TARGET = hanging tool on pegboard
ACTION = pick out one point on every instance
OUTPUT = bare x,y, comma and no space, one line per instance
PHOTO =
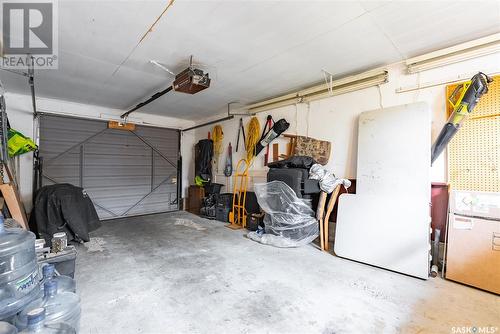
228,169
241,130
463,100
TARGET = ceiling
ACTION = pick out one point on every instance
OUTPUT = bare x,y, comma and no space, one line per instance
253,49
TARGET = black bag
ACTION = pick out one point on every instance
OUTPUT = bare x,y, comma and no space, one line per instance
298,161
278,128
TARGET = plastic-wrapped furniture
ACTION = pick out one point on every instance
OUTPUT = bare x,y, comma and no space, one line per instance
289,220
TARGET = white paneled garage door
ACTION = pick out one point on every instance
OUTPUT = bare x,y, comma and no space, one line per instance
125,173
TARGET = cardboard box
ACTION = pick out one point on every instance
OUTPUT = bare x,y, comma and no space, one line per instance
473,252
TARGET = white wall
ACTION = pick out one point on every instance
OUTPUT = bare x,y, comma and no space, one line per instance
187,151
335,118
20,112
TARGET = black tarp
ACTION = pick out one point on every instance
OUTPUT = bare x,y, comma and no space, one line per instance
63,208
298,161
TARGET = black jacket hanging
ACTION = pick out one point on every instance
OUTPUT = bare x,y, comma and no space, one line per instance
204,152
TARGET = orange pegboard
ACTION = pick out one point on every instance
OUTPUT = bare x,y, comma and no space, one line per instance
474,152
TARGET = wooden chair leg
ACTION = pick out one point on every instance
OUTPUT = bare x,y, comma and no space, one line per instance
319,216
331,204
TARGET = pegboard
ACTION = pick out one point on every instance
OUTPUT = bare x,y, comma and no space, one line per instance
474,152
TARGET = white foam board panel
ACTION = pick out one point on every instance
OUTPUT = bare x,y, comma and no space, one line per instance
387,223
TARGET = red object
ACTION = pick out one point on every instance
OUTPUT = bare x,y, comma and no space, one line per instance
439,208
208,134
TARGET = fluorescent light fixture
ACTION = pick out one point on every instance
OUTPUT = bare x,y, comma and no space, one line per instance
460,52
324,90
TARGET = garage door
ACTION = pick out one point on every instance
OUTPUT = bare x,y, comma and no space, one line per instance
125,173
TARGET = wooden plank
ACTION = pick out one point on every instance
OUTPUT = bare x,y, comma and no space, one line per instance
276,152
319,216
331,204
293,144
13,201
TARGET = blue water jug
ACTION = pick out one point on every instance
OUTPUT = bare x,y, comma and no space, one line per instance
61,307
64,283
37,323
18,270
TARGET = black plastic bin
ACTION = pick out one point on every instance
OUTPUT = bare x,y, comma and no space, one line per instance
213,188
223,207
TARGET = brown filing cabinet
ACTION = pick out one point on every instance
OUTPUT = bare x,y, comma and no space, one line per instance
195,197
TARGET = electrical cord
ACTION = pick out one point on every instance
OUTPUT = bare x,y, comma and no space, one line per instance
217,136
253,137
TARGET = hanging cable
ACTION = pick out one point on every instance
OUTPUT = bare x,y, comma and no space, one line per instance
253,136
328,81
296,119
380,97
308,118
417,94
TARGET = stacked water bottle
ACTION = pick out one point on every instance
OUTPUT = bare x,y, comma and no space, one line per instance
30,303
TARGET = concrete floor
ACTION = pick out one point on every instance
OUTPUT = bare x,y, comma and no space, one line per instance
177,273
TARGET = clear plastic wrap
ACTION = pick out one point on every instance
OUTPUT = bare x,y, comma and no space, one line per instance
327,181
289,220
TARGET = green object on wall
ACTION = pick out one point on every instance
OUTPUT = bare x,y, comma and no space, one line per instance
19,144
199,181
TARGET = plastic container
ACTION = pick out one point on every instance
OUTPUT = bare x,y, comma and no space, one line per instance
37,323
59,242
64,283
18,270
6,328
59,307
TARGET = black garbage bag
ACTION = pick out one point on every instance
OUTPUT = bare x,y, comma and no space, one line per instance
63,208
299,161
